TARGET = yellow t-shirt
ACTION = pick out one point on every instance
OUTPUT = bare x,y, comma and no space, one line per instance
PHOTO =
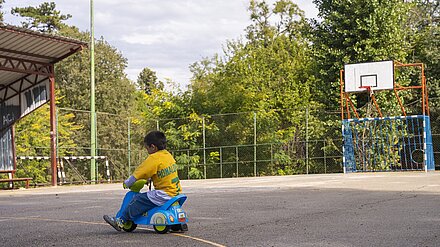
162,169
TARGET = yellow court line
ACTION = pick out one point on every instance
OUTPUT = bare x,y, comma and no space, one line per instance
199,239
99,223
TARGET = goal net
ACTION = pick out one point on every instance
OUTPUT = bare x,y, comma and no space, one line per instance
387,144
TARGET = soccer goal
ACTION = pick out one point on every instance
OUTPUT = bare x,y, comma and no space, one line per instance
387,144
375,142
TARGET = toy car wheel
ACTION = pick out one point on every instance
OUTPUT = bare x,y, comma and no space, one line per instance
161,229
179,227
184,227
129,226
176,228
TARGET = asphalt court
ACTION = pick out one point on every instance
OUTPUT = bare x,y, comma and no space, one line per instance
374,209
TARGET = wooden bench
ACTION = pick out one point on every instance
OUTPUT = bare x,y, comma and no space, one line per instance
5,180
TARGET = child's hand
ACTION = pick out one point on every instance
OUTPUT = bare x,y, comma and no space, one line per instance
138,185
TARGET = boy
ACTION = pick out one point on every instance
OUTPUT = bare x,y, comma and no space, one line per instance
161,167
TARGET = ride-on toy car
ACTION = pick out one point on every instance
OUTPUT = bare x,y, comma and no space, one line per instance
169,216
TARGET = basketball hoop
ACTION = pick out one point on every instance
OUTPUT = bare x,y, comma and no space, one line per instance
369,89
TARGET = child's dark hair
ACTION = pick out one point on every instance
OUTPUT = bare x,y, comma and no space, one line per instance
157,138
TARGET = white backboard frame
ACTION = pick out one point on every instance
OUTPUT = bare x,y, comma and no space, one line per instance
376,75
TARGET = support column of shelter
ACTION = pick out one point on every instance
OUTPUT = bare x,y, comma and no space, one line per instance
53,128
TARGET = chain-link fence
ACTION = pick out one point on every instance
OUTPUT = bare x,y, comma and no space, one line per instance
436,147
277,142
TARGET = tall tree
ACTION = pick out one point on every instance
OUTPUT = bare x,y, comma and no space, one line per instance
147,80
268,71
44,18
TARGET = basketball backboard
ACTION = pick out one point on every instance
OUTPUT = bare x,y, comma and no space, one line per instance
376,75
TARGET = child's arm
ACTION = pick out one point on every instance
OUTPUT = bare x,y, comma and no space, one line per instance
144,171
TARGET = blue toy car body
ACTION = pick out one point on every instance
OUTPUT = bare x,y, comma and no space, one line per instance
169,216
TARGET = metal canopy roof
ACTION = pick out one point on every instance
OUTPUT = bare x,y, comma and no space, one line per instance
27,82
27,58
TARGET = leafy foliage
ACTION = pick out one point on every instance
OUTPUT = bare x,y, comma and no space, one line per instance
147,81
43,18
33,139
267,72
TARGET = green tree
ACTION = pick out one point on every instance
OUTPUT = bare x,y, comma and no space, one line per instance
268,71
147,80
44,18
169,111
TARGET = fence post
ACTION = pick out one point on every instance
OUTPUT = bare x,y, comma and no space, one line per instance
187,165
97,148
204,148
307,140
129,146
325,159
236,159
255,144
271,153
221,163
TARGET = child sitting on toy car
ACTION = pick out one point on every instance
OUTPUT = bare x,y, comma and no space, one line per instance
161,167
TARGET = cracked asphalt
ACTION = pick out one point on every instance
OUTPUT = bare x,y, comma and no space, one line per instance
375,209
